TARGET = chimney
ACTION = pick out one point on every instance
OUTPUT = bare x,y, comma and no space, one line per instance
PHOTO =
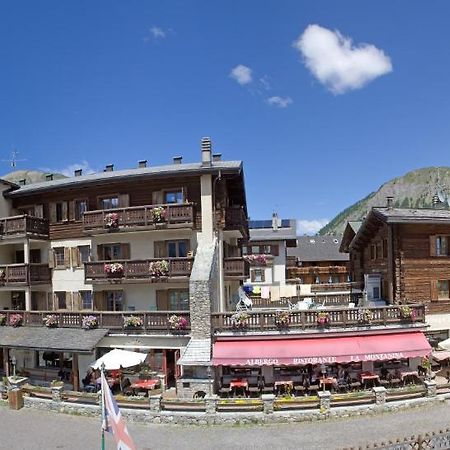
206,152
177,159
23,182
49,177
389,202
78,172
275,221
142,163
109,168
217,157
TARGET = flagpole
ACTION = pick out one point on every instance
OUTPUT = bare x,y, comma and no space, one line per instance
102,397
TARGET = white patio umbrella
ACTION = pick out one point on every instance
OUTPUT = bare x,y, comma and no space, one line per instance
116,358
444,345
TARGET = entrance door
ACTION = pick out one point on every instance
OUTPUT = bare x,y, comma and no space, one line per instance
170,368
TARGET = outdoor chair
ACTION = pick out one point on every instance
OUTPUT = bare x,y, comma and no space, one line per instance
299,389
395,382
268,388
224,391
313,388
254,390
355,385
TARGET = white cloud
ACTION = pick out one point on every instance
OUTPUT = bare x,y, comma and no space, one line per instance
158,33
265,82
241,74
68,171
337,63
310,226
281,102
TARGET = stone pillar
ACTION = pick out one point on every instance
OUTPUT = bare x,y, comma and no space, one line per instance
28,299
162,382
268,400
26,251
380,395
431,388
211,404
324,401
154,403
206,193
57,393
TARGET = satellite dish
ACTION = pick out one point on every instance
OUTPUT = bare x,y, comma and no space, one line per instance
441,196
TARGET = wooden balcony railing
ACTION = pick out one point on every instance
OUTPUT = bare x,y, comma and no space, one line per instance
175,216
151,321
23,225
26,274
336,318
236,267
138,270
235,219
315,270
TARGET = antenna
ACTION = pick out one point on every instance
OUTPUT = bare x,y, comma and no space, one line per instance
14,160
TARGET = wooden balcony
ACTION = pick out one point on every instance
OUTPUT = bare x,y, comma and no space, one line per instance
24,226
157,321
234,218
295,272
236,268
138,270
140,218
309,320
25,274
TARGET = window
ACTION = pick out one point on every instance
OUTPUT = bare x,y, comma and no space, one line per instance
81,206
59,256
177,249
257,275
442,246
59,212
86,299
385,249
179,300
111,251
109,202
373,252
35,255
85,253
443,290
114,301
173,196
61,300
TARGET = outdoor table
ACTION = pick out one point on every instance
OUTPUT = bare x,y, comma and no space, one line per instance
286,384
369,376
145,384
328,380
239,383
404,374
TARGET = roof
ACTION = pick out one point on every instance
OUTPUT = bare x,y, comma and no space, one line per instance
262,230
318,248
57,339
119,175
197,353
349,233
407,215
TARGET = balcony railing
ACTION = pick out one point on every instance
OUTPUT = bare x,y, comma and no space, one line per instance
151,321
23,225
234,218
138,270
24,274
236,267
140,217
331,318
316,270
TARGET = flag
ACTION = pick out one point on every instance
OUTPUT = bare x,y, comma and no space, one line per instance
112,419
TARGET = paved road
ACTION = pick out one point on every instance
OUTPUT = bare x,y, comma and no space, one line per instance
32,429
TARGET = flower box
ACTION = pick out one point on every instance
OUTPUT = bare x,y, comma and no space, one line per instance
51,320
407,313
323,319
158,269
365,316
178,323
89,322
256,260
133,322
282,319
159,214
112,221
239,320
114,270
15,320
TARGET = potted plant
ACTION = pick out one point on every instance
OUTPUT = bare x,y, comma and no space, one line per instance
112,221
323,318
132,322
89,322
256,260
239,320
407,313
159,269
2,320
114,270
178,323
51,320
365,316
282,319
159,214
15,320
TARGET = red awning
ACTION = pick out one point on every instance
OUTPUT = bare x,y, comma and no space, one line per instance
328,350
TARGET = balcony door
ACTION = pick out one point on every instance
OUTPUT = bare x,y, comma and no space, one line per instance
172,249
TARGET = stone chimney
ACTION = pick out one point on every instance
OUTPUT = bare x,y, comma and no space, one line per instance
206,151
78,172
389,202
217,157
49,177
177,159
109,168
275,221
142,163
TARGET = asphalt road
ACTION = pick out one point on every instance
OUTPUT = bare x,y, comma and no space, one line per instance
33,429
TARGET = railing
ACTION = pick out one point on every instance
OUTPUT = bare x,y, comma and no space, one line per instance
138,269
325,299
316,270
151,321
236,267
141,216
17,225
235,219
24,274
327,287
336,317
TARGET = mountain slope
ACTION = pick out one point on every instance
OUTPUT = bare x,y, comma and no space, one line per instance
31,176
413,190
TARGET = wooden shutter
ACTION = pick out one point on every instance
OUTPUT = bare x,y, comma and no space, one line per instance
99,300
76,301
162,300
39,210
100,253
52,209
72,210
157,197
125,251
65,211
160,249
275,249
124,200
50,306
433,245
67,261
76,257
434,290
55,302
51,259
69,301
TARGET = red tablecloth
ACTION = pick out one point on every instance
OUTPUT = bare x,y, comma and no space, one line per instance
145,384
239,384
284,383
328,380
369,376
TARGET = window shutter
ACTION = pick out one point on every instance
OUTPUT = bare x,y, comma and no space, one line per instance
162,300
55,302
67,257
100,253
434,290
52,208
433,245
49,302
124,200
160,249
51,259
99,301
157,197
65,212
76,301
125,251
39,211
75,256
72,210
275,249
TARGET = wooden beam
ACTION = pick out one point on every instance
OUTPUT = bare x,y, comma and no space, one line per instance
75,374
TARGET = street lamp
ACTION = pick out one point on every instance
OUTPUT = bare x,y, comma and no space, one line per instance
14,362
323,369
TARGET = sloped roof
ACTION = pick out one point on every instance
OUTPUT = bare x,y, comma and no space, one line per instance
408,215
197,353
262,230
318,248
349,233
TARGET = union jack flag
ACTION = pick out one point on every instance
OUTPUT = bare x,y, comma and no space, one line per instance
112,419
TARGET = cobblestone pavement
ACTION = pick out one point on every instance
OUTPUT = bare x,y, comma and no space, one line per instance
33,429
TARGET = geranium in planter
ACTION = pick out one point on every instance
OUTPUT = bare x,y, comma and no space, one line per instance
256,260
89,322
365,316
112,221
323,318
51,320
2,320
15,320
132,322
159,269
239,320
114,270
407,313
282,319
159,214
178,322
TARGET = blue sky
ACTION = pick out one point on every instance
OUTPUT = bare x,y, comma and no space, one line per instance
319,120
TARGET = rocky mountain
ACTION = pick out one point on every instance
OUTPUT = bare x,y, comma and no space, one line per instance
416,189
31,176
